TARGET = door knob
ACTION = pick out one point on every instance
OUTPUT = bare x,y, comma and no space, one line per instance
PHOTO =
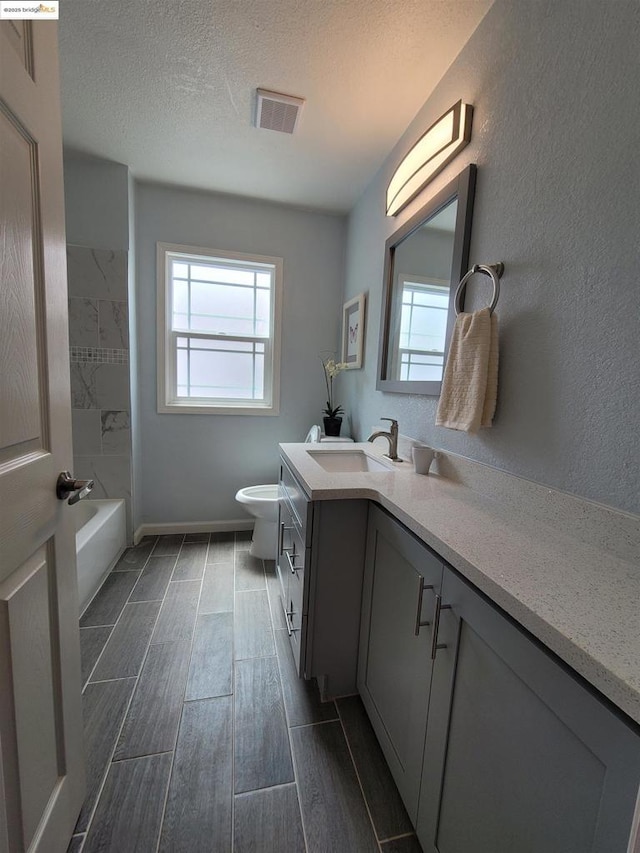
68,487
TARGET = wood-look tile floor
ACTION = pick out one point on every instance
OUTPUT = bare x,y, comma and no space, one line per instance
199,735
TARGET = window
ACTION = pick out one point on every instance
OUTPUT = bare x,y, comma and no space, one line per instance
423,327
219,331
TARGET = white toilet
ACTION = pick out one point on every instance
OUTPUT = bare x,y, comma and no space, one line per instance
262,503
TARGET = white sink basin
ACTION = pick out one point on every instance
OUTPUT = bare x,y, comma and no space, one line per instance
338,461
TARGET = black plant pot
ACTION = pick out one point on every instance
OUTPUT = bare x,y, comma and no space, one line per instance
332,426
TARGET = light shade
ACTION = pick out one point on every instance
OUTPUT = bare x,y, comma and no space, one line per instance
431,153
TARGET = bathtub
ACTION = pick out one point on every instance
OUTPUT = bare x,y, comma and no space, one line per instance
100,540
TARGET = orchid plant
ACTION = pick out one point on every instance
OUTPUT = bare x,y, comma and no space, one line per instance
331,370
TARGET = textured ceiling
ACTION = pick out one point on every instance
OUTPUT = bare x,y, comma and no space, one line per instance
168,87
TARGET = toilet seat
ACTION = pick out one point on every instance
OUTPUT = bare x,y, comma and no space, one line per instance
315,435
258,493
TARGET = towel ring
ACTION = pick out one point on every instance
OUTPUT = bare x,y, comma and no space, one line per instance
494,271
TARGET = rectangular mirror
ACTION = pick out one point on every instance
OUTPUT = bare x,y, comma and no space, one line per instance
424,261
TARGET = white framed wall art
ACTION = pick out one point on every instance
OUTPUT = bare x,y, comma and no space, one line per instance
353,317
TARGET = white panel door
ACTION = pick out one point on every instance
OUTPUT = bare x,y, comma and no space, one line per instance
42,779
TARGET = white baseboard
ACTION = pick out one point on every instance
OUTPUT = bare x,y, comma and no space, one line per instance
191,527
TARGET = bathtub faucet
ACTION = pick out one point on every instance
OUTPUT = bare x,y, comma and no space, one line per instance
392,438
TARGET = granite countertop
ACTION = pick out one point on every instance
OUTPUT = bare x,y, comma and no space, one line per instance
582,601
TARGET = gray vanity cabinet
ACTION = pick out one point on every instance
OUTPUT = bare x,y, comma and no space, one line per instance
495,746
320,564
519,754
394,667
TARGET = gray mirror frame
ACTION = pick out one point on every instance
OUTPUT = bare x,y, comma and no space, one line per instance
462,187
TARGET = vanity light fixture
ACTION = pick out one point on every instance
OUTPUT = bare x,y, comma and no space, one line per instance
431,153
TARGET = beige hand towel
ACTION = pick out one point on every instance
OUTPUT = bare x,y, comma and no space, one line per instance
470,382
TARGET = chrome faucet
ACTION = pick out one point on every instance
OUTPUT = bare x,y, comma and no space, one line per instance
392,438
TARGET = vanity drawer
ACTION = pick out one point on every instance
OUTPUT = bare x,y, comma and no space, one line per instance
290,532
293,557
295,619
294,560
294,494
292,554
295,564
291,597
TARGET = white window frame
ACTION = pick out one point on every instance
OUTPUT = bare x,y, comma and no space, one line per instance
423,284
168,402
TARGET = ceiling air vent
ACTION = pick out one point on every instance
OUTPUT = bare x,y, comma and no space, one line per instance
278,112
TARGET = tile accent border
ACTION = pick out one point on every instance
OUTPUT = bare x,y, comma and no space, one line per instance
98,355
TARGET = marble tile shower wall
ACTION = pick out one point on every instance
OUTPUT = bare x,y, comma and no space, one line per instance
99,355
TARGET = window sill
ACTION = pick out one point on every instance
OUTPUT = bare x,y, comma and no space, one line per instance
198,409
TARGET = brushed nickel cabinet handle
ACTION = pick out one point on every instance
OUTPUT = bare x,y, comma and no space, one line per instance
435,645
290,560
288,614
283,527
421,588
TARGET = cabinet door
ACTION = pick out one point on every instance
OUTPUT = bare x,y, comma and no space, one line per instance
523,757
394,667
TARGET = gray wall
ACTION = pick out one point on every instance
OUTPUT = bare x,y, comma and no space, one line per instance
192,465
97,221
556,139
96,202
